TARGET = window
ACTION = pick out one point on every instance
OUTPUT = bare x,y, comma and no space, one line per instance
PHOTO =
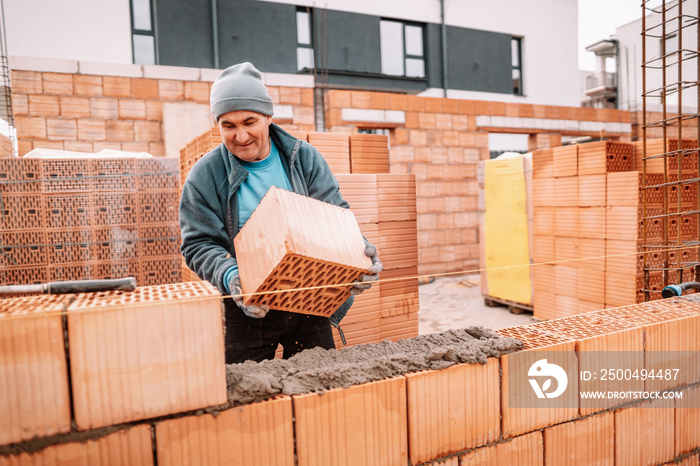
402,49
142,32
305,51
517,60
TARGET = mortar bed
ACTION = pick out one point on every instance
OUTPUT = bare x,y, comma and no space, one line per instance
318,370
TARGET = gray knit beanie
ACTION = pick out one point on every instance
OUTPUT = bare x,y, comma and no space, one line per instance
240,87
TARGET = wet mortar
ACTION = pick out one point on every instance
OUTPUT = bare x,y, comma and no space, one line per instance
318,370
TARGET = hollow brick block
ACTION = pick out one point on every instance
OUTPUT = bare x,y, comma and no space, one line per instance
369,153
397,197
293,241
129,447
358,333
34,398
688,420
364,425
521,411
644,433
155,351
605,156
399,292
525,450
565,160
335,148
254,434
673,344
587,441
452,409
398,327
361,193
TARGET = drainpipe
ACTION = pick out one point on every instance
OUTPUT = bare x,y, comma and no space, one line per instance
443,32
215,33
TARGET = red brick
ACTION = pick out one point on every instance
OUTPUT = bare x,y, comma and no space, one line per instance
452,410
35,399
148,131
60,129
132,109
57,145
379,100
526,450
398,102
43,105
79,146
652,421
307,97
433,104
197,91
128,447
156,149
91,130
171,90
90,86
75,107
361,415
154,110
107,109
135,146
415,103
23,147
120,130
58,83
232,437
426,120
688,421
117,86
26,82
360,99
497,108
290,95
451,106
673,344
144,88
334,258
30,127
20,104
588,441
98,146
120,373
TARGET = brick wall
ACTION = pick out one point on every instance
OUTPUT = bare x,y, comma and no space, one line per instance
91,112
442,140
140,399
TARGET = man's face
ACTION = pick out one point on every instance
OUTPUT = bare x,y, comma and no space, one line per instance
246,134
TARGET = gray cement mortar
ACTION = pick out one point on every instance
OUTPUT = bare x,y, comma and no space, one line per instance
318,370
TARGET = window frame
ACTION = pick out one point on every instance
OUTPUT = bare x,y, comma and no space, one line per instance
519,65
406,55
310,46
144,32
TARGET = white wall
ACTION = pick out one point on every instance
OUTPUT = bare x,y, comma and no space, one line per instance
630,46
91,30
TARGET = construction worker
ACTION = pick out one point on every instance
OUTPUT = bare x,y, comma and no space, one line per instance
223,189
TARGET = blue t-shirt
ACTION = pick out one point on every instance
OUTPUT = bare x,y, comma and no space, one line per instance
261,177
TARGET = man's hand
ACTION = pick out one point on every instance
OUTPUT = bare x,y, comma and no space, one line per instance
372,276
256,312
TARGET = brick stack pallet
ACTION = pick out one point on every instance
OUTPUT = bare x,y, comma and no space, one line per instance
588,227
88,218
385,208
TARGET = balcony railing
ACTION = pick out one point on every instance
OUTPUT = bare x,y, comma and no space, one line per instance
600,82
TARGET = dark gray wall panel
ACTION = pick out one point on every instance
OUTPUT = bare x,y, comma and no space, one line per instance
378,83
184,33
353,42
262,33
479,60
433,66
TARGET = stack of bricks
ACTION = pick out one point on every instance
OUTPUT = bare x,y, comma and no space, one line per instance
577,222
89,218
385,208
6,149
148,405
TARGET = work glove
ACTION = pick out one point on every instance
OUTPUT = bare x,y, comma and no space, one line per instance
367,280
256,312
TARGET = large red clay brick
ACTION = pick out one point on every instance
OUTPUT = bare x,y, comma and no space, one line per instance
280,253
673,349
452,410
526,450
335,148
90,86
644,433
116,86
155,351
688,420
255,434
26,82
57,83
34,400
364,424
128,447
588,441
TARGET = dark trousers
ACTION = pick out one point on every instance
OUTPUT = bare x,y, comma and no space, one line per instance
257,339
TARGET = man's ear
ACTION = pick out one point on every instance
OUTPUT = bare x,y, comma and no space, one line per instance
269,119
